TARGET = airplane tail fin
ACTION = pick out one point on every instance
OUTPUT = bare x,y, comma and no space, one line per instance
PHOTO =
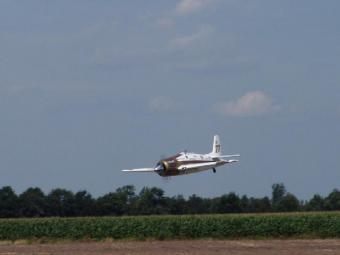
217,148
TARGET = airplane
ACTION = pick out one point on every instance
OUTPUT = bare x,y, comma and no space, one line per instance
189,162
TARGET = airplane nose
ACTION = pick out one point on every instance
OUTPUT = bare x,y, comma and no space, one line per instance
159,167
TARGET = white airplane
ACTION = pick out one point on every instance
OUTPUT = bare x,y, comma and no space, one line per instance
188,163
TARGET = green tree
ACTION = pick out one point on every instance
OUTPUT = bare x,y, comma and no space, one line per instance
9,206
108,205
229,203
83,204
244,204
151,201
317,203
32,203
278,192
288,203
60,202
177,205
259,204
332,201
121,202
197,205
126,198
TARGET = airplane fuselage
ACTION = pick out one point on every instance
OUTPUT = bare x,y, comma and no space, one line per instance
182,163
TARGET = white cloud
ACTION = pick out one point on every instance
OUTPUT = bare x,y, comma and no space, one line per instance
185,41
165,23
188,6
162,104
251,104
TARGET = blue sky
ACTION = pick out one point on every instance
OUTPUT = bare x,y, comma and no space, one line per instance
88,88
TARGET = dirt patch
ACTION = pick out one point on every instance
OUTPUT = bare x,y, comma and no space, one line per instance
197,247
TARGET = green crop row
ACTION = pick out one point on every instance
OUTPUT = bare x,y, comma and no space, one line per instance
306,225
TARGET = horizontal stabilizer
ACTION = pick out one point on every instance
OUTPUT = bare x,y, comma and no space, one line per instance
229,156
140,170
232,160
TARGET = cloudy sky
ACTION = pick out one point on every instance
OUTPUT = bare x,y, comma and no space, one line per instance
88,88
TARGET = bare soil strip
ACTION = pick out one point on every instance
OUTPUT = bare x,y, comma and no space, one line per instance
196,247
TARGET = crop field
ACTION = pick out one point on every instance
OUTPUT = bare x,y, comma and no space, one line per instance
248,226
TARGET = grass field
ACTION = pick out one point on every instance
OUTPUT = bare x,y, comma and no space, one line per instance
258,226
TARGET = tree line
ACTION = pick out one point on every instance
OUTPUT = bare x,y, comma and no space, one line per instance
33,202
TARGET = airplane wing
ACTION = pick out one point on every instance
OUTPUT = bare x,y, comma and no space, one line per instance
196,165
140,170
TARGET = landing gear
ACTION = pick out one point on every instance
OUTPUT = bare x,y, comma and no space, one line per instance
214,170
